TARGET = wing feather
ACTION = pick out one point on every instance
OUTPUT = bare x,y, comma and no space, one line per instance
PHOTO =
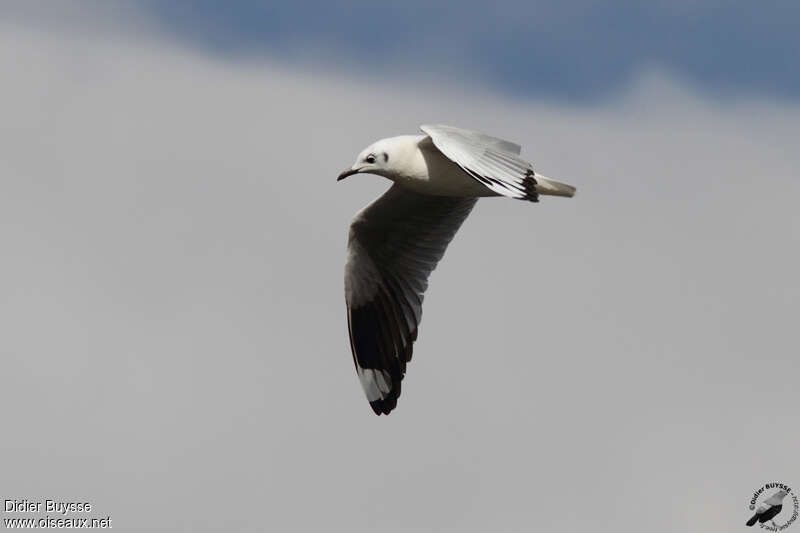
394,245
493,162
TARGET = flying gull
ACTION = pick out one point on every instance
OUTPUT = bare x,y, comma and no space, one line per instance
397,240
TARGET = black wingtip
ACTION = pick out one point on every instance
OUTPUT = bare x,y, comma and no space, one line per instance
753,520
531,194
385,406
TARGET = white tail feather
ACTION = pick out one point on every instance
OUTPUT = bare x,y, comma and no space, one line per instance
546,186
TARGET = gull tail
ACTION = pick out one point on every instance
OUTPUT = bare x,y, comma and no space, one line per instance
547,186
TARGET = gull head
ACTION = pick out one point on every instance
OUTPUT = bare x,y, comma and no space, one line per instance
387,157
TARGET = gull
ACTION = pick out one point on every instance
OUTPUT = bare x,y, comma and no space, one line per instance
769,509
397,240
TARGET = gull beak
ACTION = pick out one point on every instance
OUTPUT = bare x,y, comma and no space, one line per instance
348,172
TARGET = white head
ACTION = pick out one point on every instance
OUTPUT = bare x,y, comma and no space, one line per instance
391,158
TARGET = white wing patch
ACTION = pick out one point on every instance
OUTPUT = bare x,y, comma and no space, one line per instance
377,384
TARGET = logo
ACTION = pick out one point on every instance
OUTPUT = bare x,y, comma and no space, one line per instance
775,507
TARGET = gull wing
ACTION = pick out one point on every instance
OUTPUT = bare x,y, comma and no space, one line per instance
475,136
493,162
395,243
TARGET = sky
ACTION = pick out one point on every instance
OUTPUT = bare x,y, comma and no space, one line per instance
577,51
175,347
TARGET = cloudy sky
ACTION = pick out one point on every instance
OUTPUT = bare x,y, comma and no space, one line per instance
174,344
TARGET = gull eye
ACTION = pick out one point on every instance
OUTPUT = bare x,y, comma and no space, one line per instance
370,159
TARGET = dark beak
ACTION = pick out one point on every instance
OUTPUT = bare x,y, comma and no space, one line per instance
346,173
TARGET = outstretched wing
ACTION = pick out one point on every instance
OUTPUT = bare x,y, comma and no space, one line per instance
492,161
394,245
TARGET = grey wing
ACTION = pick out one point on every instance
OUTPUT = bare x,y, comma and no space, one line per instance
394,245
493,162
474,136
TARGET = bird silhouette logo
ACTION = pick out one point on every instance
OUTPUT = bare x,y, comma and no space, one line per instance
771,505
